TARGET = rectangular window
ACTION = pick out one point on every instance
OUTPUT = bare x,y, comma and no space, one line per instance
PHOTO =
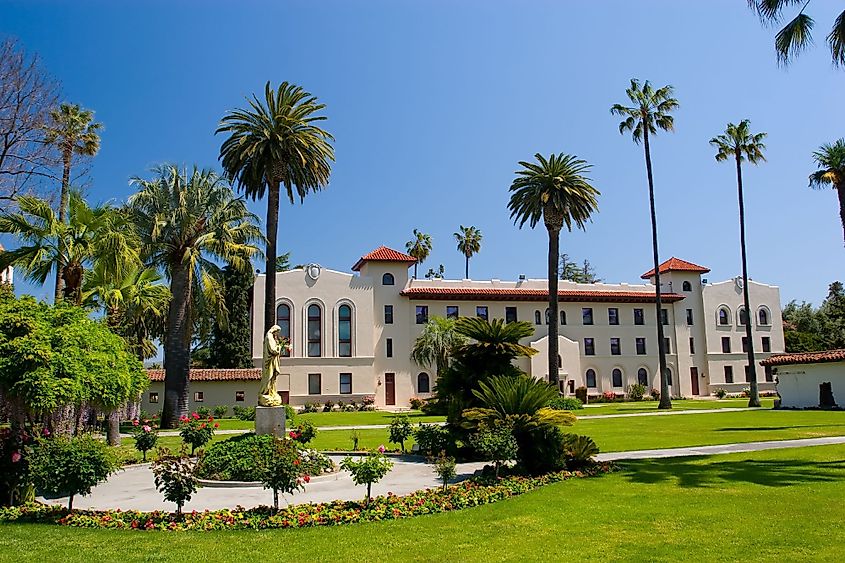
613,316
639,317
481,312
749,373
664,316
689,317
239,396
691,345
667,345
615,347
389,345
198,397
769,376
388,314
510,314
153,397
729,374
745,344
315,385
345,383
767,344
587,316
589,347
726,344
451,311
641,346
422,314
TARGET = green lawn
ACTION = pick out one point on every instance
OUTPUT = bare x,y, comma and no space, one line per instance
781,505
651,406
364,418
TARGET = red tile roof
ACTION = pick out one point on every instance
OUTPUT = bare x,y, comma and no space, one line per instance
253,374
805,358
383,254
508,294
676,265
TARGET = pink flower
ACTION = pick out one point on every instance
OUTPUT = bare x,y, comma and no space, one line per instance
146,428
45,432
135,422
382,449
196,416
16,457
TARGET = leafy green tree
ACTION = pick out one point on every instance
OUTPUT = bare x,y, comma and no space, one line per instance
803,328
231,345
739,143
273,143
175,477
436,343
833,314
557,191
830,160
185,222
280,468
437,274
73,131
367,470
469,244
419,247
649,111
283,262
400,430
579,273
797,34
495,442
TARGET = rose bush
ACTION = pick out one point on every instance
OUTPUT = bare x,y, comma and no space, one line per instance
196,431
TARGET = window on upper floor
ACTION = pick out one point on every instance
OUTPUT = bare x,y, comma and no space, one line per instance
590,376
587,315
563,318
743,316
767,344
745,344
388,314
691,345
641,346
612,316
589,347
422,314
423,384
344,331
763,317
639,317
510,314
199,397
726,344
615,347
239,396
283,320
664,316
724,316
616,377
315,321
387,279
389,347
667,345
482,312
686,286
689,317
452,312
538,320
548,315
153,398
767,370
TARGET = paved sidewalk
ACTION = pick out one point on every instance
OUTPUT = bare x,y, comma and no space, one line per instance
722,449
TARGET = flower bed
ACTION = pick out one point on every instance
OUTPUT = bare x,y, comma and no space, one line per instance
474,492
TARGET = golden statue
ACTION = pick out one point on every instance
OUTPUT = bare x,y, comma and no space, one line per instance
273,348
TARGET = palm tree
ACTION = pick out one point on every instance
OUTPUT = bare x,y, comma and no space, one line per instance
739,143
74,132
650,110
830,159
419,247
273,143
92,236
469,243
436,343
558,191
797,34
185,221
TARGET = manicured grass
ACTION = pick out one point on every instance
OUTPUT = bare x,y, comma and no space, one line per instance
365,418
127,453
651,406
775,506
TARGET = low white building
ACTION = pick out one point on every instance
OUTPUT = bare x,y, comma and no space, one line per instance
808,379
7,275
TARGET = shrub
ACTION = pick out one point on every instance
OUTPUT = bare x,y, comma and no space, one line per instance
195,431
400,430
70,466
444,466
290,412
566,404
496,443
280,468
432,438
175,477
581,394
368,401
746,392
416,403
244,413
655,394
636,391
15,450
350,407
368,469
329,405
541,449
580,451
235,460
720,393
608,397
204,412
311,407
355,436
145,437
303,432
220,411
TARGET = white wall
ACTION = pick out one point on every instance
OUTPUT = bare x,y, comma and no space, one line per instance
798,385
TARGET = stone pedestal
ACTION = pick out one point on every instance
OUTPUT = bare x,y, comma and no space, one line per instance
270,420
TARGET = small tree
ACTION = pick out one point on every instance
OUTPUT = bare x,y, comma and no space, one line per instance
400,430
145,437
196,431
70,466
497,443
281,468
368,469
444,466
175,477
303,432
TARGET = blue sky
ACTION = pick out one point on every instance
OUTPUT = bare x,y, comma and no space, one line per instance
434,103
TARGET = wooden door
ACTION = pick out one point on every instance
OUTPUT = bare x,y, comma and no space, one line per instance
693,374
389,389
285,395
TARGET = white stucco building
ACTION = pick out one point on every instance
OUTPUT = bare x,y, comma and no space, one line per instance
801,376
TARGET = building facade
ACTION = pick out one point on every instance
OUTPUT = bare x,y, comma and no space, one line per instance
351,333
7,274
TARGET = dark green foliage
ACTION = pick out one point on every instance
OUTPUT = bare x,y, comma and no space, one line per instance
495,442
279,467
432,438
235,459
204,412
175,477
303,432
444,466
581,394
806,329
541,449
636,391
400,430
244,413
145,437
231,345
580,450
579,273
220,411
566,404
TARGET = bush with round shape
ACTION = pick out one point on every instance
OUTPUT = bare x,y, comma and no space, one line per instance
196,431
235,459
175,477
280,468
637,391
580,451
400,430
581,394
444,466
145,437
432,438
204,412
566,404
243,413
495,442
368,469
416,403
303,432
220,411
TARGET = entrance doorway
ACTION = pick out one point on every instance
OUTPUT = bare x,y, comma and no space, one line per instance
389,389
285,395
693,375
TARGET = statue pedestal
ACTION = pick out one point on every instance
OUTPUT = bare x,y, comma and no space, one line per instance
270,420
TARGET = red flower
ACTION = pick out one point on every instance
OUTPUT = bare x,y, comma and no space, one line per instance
202,425
307,478
296,462
217,425
196,416
16,457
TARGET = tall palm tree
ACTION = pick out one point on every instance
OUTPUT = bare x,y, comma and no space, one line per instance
73,131
797,34
276,142
557,191
98,235
830,160
186,220
419,247
739,143
436,344
650,110
469,243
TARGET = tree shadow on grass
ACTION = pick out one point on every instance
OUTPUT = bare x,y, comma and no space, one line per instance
689,472
774,428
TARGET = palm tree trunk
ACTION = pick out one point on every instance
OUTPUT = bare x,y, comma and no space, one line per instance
554,250
67,155
840,191
270,252
466,273
751,368
415,268
177,349
665,401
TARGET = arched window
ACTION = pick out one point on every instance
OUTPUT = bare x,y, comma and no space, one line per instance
283,320
548,315
387,279
763,316
616,376
423,385
315,321
537,320
724,316
591,378
563,317
642,377
344,331
687,286
742,314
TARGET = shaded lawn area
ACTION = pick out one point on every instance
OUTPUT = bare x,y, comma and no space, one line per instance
775,506
684,405
365,418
